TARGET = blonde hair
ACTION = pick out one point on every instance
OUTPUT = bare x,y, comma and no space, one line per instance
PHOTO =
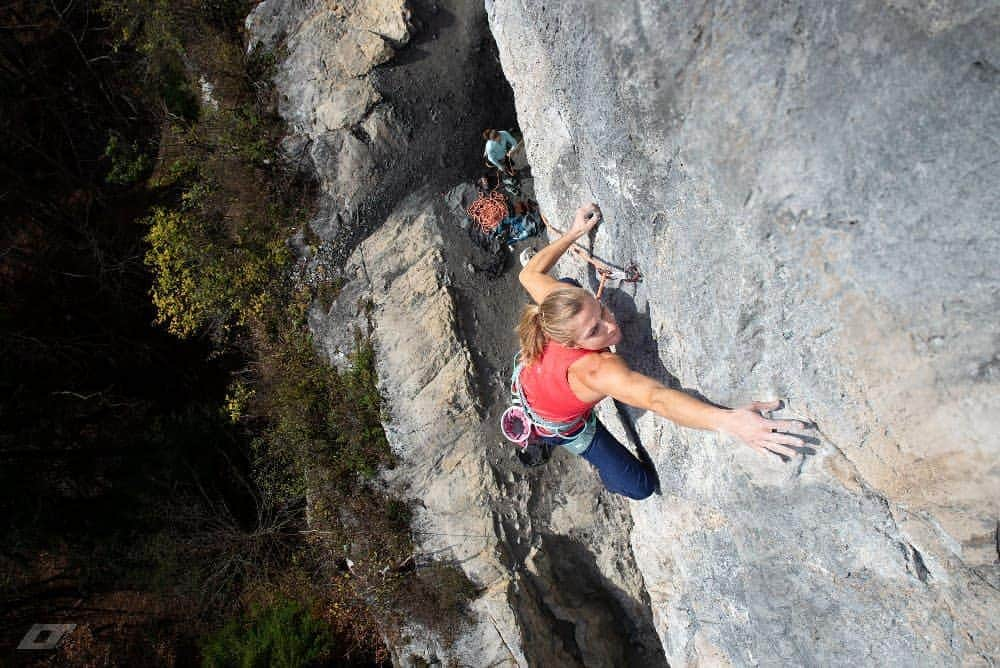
549,320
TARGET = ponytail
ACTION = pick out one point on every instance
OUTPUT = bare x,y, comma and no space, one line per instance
529,331
556,311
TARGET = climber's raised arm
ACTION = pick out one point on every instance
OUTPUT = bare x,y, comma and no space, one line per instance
534,277
608,374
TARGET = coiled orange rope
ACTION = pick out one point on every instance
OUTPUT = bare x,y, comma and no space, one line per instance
488,210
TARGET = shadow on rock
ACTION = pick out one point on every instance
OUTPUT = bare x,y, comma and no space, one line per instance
427,19
593,621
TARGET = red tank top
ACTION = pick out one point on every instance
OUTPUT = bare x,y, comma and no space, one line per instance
545,383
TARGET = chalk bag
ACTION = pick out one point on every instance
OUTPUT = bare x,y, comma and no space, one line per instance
516,425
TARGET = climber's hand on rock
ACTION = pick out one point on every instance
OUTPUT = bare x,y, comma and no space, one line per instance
587,216
760,433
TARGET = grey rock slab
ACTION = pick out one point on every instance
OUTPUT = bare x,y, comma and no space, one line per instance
326,96
436,84
808,193
357,52
389,19
396,281
347,105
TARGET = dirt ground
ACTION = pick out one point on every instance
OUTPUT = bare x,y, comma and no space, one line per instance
446,86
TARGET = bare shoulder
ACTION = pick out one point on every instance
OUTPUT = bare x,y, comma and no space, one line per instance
592,366
608,374
582,375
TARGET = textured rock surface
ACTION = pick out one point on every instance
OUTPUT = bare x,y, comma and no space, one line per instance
809,191
433,425
549,552
381,97
326,95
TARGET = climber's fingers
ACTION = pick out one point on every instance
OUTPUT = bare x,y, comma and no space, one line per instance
765,406
785,425
779,449
784,439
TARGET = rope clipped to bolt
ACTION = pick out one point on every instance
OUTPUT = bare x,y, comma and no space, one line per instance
605,271
488,210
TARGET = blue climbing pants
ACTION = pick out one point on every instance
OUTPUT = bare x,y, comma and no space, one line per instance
620,470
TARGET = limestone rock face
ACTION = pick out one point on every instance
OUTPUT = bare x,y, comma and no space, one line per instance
347,105
381,97
325,94
809,192
434,426
389,19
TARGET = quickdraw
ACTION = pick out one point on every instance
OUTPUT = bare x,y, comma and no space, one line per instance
606,272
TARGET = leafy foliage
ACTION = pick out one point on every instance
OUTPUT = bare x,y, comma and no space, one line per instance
180,461
128,163
200,283
284,635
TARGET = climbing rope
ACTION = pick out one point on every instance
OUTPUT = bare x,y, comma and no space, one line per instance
606,272
488,210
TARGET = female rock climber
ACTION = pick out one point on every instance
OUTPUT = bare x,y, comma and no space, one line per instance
567,369
499,145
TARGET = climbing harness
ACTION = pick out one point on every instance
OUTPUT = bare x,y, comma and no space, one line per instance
559,429
606,272
525,428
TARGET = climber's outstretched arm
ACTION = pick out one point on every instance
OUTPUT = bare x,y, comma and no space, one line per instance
534,277
608,374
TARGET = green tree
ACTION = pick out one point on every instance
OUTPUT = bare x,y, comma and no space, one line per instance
202,283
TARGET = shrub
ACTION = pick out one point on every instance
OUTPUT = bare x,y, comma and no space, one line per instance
201,282
176,257
128,163
436,595
284,635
